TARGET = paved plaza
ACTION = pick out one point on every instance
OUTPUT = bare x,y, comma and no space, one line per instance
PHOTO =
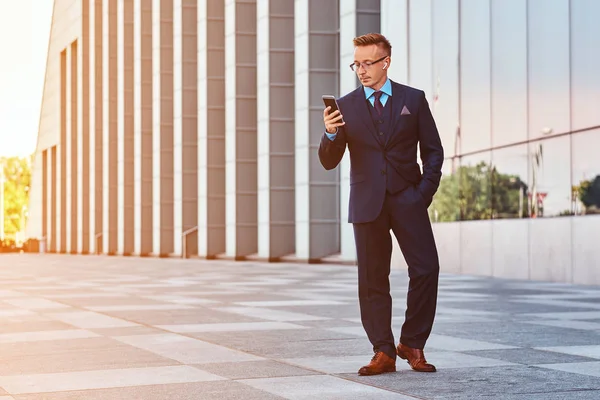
115,328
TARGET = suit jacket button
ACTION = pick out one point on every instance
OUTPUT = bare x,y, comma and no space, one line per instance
382,172
380,133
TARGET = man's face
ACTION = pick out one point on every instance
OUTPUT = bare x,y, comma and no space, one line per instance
373,75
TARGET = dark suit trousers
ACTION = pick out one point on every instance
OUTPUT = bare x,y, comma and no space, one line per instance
405,213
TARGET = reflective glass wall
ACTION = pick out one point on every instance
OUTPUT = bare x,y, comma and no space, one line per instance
520,192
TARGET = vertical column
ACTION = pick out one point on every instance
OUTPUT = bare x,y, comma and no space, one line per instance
125,128
45,171
163,163
97,122
185,128
84,149
316,65
240,128
356,18
275,110
53,247
110,132
73,138
1,201
62,215
211,128
394,25
143,127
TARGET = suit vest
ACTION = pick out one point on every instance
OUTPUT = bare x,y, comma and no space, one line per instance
383,126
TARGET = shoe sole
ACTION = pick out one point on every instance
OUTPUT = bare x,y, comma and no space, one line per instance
378,373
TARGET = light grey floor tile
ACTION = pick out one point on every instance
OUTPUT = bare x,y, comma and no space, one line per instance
288,303
271,315
213,390
444,360
15,312
322,387
39,336
331,365
450,343
90,319
583,368
185,349
181,299
255,369
568,324
85,380
231,327
350,330
592,351
572,315
33,303
140,307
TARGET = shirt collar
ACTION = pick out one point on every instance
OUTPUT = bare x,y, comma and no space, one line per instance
387,89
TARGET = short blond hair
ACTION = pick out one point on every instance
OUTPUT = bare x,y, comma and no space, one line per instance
376,39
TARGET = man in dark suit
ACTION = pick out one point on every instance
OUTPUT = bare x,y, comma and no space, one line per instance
381,123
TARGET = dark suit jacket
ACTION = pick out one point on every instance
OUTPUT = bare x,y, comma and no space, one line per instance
376,164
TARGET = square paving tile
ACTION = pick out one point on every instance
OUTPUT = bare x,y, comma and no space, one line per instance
254,369
85,380
185,349
322,387
214,390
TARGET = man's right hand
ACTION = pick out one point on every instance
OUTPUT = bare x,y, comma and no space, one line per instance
333,120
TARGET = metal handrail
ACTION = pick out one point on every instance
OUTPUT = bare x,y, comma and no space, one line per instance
184,235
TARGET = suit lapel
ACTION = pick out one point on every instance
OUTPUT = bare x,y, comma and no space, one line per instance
398,102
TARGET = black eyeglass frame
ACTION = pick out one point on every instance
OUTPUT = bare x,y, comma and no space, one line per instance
366,64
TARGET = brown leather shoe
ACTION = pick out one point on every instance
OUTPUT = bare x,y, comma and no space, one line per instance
379,364
415,358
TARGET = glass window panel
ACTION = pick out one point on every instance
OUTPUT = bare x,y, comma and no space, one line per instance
509,182
445,206
549,76
586,172
550,177
475,119
509,71
444,104
585,63
475,187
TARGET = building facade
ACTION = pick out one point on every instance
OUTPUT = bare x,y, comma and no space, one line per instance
173,127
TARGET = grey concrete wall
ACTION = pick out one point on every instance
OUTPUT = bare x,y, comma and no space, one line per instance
240,128
143,127
275,117
211,128
162,113
317,73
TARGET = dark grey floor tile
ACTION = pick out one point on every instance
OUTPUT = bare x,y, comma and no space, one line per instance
516,333
493,382
529,356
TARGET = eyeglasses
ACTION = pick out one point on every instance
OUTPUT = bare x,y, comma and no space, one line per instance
366,65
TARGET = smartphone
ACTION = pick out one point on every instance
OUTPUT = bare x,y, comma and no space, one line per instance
330,101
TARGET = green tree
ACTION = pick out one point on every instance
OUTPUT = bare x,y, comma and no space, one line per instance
17,181
479,192
588,193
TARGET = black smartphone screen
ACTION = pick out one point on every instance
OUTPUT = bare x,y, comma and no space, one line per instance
330,101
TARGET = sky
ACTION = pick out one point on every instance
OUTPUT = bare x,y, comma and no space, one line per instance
24,34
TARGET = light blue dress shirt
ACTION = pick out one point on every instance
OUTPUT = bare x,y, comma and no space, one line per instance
387,92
